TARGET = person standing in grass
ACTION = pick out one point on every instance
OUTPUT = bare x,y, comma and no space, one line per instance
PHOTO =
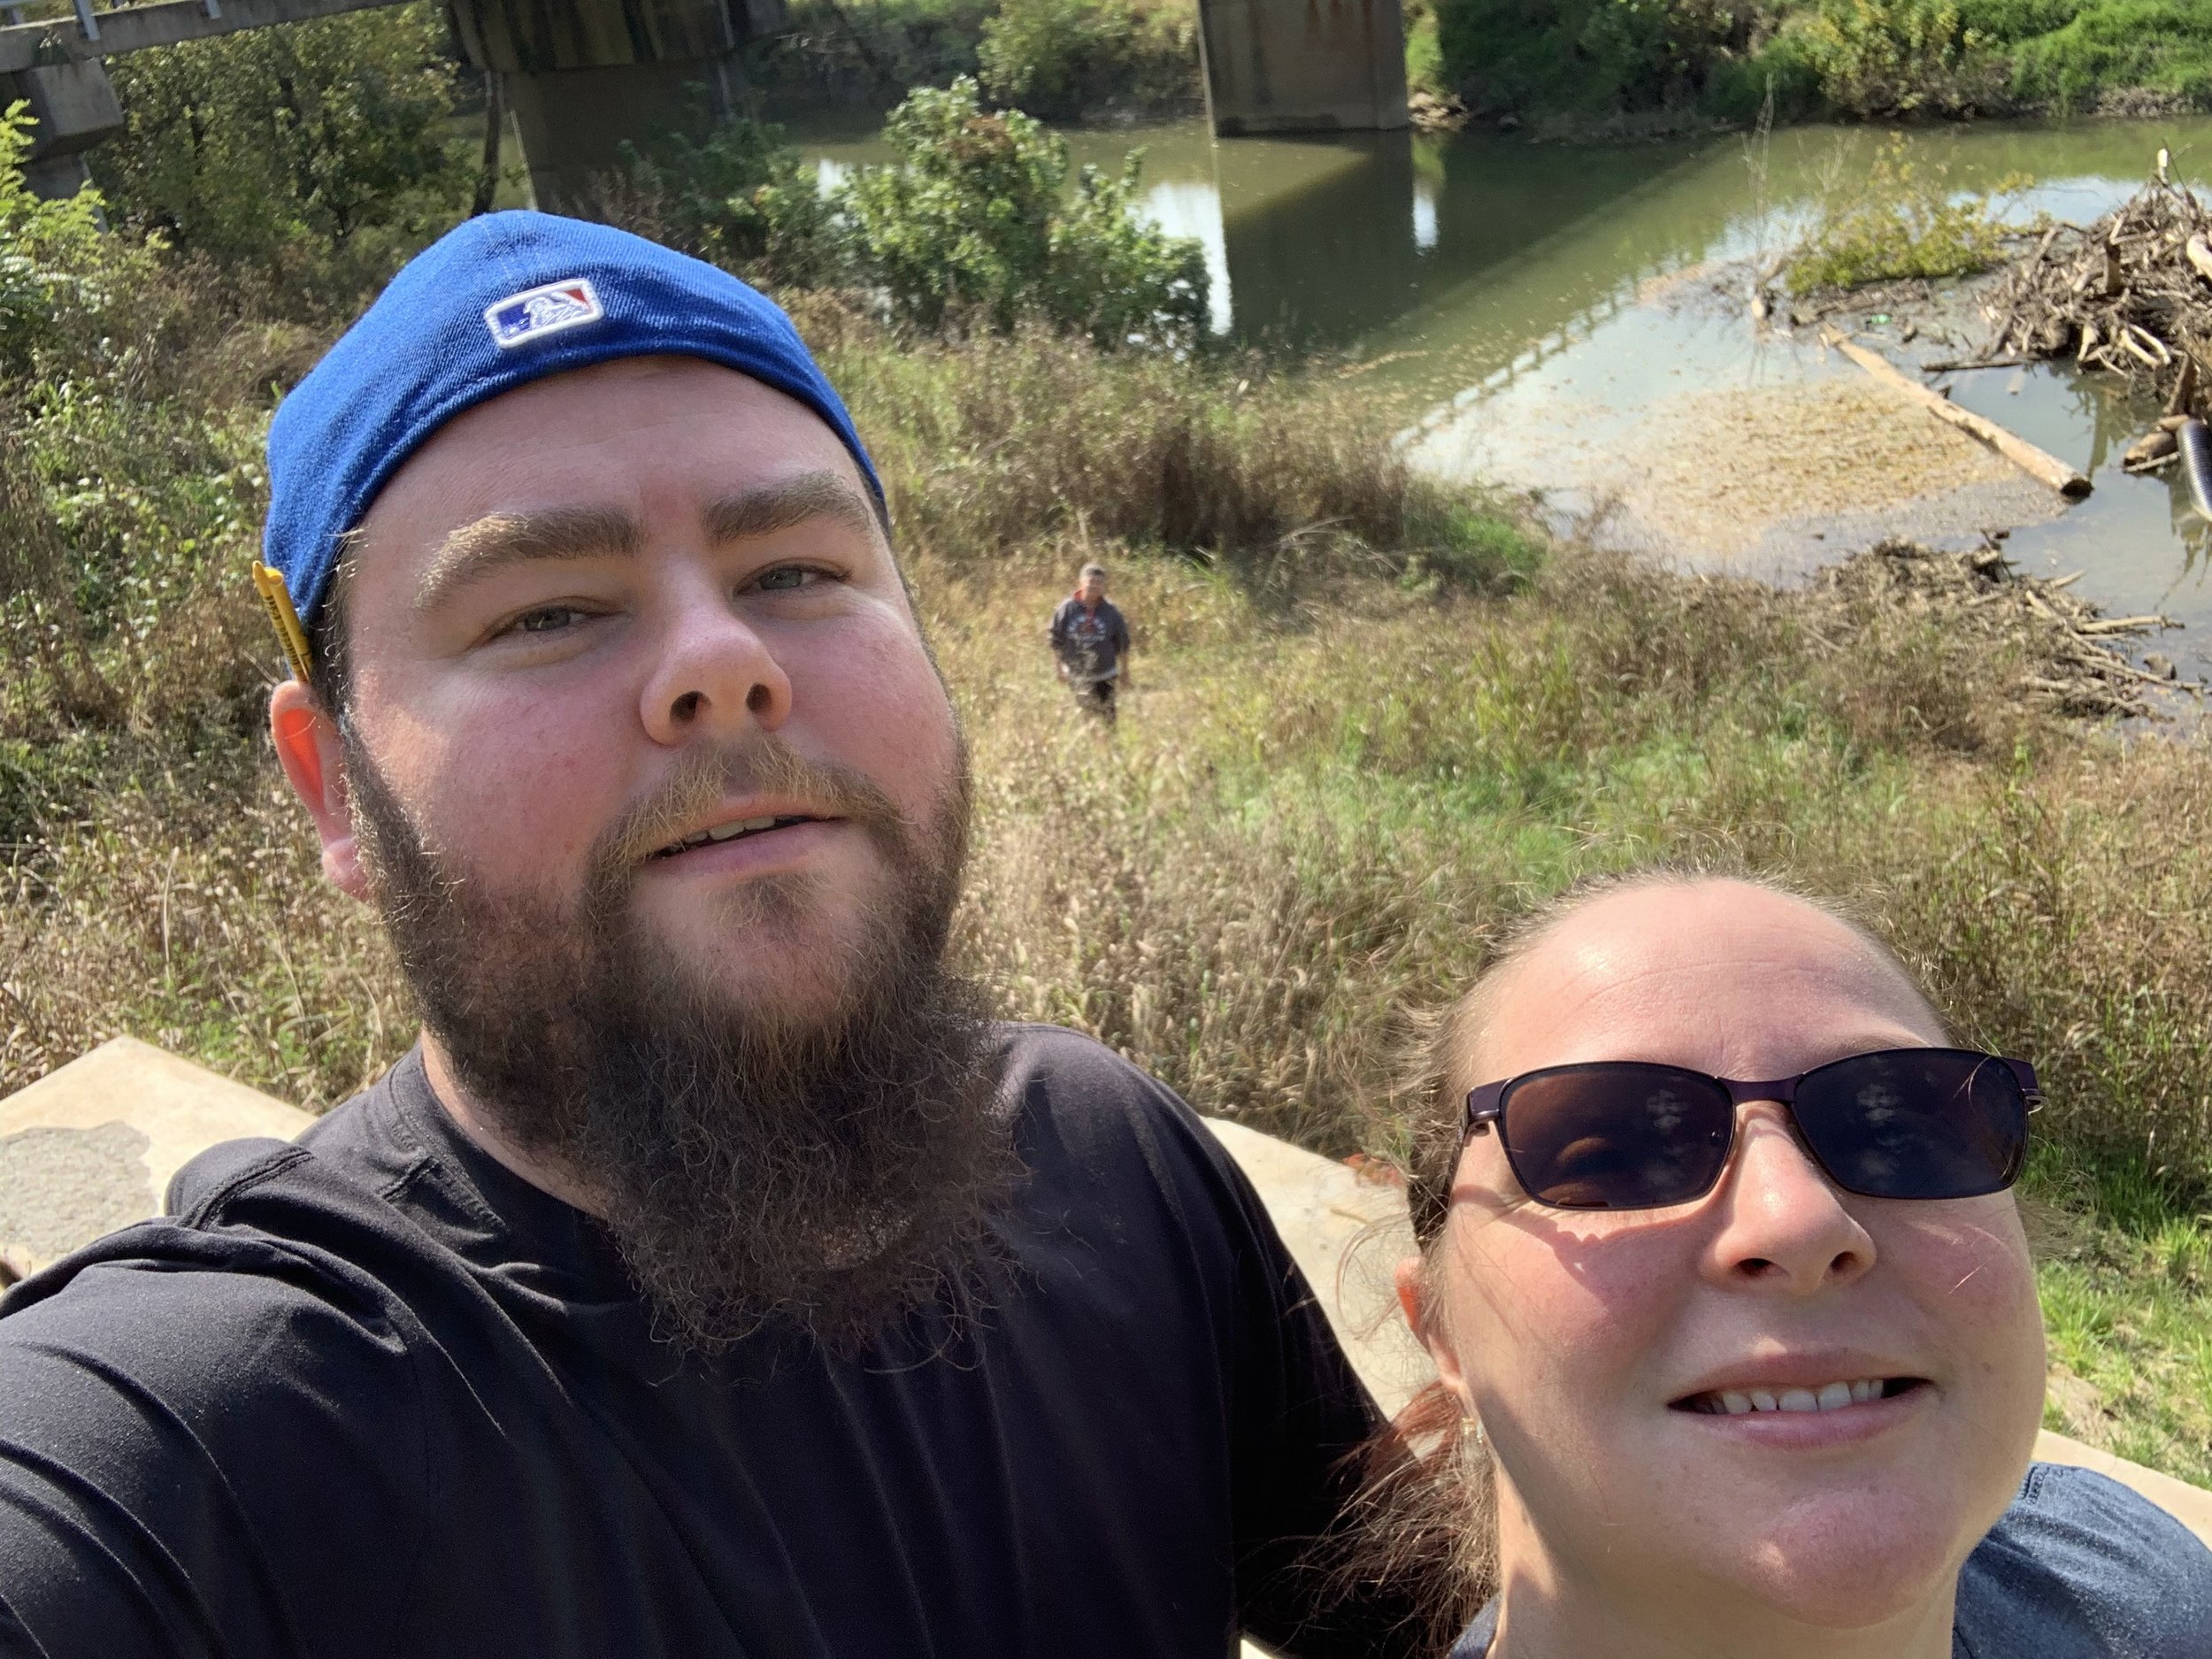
713,1277
1090,641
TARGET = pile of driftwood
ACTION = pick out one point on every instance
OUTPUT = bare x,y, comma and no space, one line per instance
2132,293
2070,650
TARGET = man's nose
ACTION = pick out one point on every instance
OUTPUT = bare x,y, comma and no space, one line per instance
713,675
1783,1224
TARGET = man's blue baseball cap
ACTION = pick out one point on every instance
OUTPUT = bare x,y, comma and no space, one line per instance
502,301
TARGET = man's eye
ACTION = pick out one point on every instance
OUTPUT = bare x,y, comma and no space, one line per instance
548,619
785,578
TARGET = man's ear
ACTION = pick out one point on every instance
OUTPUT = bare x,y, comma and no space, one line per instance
308,749
1413,1300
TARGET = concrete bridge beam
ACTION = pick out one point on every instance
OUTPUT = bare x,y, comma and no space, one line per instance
1304,65
585,77
73,107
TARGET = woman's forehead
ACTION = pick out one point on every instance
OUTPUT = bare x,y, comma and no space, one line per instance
1717,975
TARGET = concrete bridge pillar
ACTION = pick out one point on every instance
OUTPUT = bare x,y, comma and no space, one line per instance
72,107
583,78
1304,65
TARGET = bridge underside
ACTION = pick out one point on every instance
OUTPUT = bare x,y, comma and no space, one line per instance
1304,65
584,76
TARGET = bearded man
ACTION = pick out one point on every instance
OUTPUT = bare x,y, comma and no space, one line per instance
711,1279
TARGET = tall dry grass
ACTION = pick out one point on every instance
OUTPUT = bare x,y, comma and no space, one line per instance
990,443
1305,827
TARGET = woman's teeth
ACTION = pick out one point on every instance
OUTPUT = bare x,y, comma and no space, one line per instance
1828,1397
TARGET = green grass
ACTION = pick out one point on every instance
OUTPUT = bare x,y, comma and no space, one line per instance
2127,1302
2163,47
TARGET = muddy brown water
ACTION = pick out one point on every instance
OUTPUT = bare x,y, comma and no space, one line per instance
1570,321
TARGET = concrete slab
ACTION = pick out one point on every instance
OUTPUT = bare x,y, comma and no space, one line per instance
1346,1233
91,1147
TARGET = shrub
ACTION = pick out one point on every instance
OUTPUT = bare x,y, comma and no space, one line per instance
977,217
119,490
1589,56
735,194
57,270
837,53
1899,218
1425,52
1901,57
294,144
1779,68
1061,58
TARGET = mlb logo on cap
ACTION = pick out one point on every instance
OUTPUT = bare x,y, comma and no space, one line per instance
546,310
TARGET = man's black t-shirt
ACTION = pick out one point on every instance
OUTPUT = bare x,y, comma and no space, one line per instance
372,1394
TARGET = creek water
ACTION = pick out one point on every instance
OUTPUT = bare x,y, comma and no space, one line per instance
1549,319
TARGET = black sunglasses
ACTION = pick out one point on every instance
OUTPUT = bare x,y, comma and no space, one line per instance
1897,1123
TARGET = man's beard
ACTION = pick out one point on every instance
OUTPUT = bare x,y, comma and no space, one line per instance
757,1167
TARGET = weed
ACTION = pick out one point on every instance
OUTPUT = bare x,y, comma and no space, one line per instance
1897,218
1881,57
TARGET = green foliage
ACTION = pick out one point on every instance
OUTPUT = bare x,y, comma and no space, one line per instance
979,216
1859,58
57,270
1878,57
1586,56
293,143
2163,47
738,196
1740,85
841,53
2008,20
1899,218
1425,52
1060,58
1461,545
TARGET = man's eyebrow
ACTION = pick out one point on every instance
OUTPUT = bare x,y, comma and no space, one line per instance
769,508
500,538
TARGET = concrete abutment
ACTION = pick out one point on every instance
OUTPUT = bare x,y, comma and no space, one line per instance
1304,65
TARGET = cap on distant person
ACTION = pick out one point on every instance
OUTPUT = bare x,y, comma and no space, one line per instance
503,300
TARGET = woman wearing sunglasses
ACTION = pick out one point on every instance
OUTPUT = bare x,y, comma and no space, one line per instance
1734,1319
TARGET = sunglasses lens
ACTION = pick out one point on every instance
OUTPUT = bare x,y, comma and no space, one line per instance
1616,1135
1916,1122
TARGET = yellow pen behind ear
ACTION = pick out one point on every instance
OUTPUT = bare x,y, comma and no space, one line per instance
276,595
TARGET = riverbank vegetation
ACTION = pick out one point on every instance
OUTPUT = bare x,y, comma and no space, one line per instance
980,220
1896,218
1376,715
1644,65
1058,59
